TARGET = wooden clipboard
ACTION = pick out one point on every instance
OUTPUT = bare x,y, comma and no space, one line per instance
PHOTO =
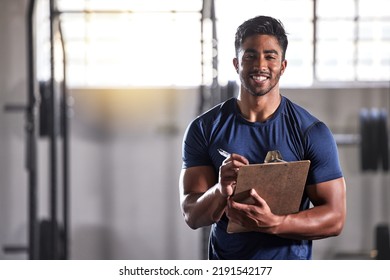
280,184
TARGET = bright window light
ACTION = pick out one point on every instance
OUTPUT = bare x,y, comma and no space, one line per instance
154,43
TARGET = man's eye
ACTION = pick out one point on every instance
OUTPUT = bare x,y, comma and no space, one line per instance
270,57
250,56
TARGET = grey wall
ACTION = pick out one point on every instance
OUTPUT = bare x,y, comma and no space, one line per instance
125,163
126,148
13,184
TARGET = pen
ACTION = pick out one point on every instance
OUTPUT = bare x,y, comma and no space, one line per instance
223,153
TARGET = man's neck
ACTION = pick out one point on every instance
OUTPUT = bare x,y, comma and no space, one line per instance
258,108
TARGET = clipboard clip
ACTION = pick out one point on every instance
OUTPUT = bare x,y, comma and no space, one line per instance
273,156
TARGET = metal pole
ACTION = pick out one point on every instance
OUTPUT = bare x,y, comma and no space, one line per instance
53,140
216,90
315,21
31,148
65,149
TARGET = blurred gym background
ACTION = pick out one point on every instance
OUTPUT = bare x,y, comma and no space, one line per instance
96,95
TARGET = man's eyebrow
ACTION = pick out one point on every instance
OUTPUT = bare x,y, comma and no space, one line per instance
250,51
271,51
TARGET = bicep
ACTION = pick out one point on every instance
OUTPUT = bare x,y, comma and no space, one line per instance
196,180
330,193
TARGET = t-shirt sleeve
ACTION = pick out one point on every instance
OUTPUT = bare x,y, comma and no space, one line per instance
194,146
323,154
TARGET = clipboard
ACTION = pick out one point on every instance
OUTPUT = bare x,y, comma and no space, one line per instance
280,184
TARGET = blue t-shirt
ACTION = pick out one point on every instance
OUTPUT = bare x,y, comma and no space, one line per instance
291,130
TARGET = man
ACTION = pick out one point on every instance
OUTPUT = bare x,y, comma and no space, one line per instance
259,120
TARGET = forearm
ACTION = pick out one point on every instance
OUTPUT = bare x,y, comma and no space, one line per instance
325,219
203,209
315,223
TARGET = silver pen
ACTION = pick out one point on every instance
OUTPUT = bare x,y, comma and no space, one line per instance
223,153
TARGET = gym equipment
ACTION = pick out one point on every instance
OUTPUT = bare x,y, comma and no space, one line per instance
47,238
374,143
382,240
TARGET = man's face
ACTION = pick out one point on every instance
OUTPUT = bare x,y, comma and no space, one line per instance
260,64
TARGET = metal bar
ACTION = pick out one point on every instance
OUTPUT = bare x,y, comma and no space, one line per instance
216,90
53,140
365,18
123,12
15,249
347,139
356,41
65,149
31,149
202,86
315,78
202,101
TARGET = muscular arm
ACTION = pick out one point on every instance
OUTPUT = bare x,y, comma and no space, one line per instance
203,196
201,204
325,219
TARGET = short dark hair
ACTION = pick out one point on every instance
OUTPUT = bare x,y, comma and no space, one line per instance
262,25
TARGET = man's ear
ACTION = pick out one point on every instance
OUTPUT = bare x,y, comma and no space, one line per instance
284,65
235,63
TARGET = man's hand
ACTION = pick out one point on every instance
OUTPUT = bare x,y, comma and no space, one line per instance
228,173
256,216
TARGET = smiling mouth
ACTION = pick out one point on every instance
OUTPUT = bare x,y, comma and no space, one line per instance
259,78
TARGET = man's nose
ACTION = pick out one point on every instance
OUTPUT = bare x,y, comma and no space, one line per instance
261,63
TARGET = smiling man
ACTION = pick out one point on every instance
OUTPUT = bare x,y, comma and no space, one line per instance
259,120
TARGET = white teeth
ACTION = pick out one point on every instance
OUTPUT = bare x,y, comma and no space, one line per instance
259,78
